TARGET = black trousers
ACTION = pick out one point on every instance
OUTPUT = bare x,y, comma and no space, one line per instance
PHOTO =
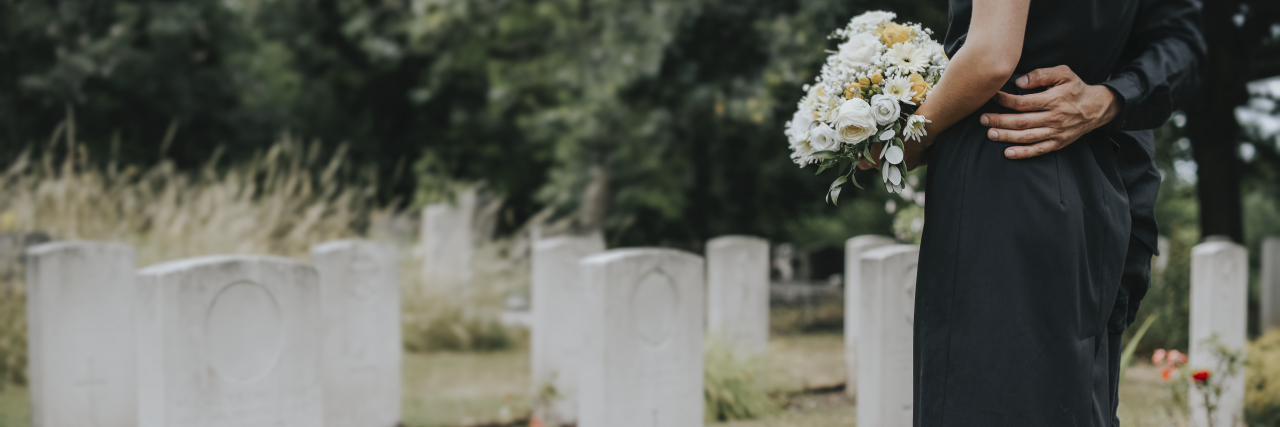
1134,283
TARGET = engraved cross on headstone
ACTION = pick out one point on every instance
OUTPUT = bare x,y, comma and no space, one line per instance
91,382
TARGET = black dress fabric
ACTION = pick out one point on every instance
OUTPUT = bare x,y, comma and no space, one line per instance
1021,260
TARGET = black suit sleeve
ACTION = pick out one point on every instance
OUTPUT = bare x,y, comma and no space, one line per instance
1165,54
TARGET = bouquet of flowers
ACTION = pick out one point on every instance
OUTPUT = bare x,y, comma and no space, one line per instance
867,92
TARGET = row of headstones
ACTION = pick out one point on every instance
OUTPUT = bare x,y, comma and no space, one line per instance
617,335
228,341
880,311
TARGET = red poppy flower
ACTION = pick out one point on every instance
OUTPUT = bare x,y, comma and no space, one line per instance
1166,373
1200,376
534,422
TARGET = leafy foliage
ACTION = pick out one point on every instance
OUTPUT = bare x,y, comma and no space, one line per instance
680,101
731,387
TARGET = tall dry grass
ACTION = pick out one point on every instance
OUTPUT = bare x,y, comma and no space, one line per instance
281,201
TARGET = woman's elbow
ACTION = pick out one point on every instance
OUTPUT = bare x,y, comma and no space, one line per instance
997,72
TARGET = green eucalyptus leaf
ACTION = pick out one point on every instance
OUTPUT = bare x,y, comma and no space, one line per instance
837,182
822,167
824,155
835,196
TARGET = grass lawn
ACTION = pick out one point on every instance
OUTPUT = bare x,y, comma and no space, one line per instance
459,389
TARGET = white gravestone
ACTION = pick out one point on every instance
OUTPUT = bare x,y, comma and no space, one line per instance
558,326
448,241
360,293
1270,283
1219,305
886,321
82,365
853,250
230,341
642,362
738,291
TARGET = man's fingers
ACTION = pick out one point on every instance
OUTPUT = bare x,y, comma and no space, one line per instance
1046,77
1026,136
1033,150
1033,102
1017,121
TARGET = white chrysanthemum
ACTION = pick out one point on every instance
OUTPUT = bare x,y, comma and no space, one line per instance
802,152
885,108
854,122
914,129
908,57
859,51
823,138
819,103
899,88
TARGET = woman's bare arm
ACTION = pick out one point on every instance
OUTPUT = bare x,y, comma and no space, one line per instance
990,53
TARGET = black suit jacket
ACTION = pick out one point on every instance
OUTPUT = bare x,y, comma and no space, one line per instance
1163,59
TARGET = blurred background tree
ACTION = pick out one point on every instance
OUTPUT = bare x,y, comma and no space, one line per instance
656,120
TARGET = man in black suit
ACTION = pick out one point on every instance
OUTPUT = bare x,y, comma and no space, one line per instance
1164,54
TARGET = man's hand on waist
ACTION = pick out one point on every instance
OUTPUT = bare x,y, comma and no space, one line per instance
1051,120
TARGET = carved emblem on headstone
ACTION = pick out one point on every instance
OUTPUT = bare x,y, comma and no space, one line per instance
654,301
243,331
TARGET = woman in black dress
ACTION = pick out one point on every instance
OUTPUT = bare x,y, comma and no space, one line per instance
1020,259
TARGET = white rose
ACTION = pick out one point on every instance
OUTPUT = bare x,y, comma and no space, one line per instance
854,122
800,124
823,138
885,109
872,18
860,50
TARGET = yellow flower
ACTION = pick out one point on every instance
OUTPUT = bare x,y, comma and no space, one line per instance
851,90
893,34
877,78
864,81
919,86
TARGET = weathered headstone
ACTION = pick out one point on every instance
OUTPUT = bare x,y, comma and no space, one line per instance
230,341
448,241
556,338
1219,305
642,361
853,250
885,325
360,290
82,364
738,292
1270,283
